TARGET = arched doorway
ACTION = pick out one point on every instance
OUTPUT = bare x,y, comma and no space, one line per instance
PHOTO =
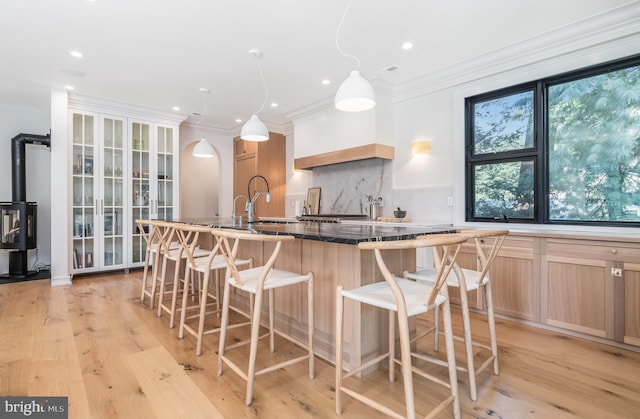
199,184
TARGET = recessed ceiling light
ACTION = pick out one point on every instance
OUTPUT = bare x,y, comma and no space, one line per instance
175,108
238,120
76,53
326,82
69,87
274,105
407,45
70,72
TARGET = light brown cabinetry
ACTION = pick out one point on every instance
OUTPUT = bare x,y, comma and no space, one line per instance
515,278
266,158
631,274
589,287
584,284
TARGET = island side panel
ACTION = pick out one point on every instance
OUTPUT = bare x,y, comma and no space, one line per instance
375,321
333,264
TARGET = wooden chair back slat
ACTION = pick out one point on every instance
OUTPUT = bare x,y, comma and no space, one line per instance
445,248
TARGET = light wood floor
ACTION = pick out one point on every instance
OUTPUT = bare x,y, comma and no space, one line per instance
95,343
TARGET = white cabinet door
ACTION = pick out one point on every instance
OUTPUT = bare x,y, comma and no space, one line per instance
99,161
112,192
165,187
140,184
153,183
85,198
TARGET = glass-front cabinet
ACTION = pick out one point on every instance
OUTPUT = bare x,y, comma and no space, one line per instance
140,192
83,133
123,169
165,183
153,150
112,209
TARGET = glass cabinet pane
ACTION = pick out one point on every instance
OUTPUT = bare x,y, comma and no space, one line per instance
113,198
139,245
139,190
83,198
164,166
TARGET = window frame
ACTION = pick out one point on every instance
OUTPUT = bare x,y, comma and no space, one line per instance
540,151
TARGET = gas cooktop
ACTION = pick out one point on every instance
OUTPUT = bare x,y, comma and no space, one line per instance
332,218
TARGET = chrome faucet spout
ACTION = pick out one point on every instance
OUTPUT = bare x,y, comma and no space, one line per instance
233,212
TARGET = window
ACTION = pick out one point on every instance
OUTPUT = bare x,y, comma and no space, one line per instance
559,150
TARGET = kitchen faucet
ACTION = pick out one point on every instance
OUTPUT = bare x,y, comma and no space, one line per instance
233,213
253,199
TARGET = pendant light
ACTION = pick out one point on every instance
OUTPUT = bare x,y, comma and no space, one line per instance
203,148
355,94
255,129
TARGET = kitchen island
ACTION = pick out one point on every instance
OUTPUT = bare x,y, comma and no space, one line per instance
330,251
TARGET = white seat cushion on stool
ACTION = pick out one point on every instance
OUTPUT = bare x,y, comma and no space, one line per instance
471,277
173,253
276,278
202,263
379,294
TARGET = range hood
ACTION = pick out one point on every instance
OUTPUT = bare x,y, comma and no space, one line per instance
328,136
362,152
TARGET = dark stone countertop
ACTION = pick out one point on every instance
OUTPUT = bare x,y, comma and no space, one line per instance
326,232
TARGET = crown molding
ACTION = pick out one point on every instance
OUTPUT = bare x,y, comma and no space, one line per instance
312,110
618,26
93,104
209,129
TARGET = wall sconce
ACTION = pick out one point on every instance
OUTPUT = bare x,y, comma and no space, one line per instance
421,148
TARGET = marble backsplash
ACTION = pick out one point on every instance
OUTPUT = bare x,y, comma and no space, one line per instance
346,186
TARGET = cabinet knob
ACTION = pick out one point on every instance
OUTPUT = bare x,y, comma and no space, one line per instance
614,251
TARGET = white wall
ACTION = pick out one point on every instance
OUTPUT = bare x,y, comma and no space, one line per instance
13,121
329,129
60,187
206,185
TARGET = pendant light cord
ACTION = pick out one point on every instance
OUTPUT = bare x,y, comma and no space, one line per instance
264,83
204,110
204,107
338,35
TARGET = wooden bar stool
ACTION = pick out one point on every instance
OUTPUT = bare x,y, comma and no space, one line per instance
176,255
255,281
203,266
487,244
407,298
153,233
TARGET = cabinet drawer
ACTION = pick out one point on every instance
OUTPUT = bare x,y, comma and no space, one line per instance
513,246
613,251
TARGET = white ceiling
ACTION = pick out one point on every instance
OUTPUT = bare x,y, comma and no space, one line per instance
159,53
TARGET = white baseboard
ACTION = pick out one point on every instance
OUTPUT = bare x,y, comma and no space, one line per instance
61,281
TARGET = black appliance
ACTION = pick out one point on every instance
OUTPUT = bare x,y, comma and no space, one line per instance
18,218
332,218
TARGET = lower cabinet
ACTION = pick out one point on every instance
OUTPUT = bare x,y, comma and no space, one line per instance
515,278
515,284
589,287
631,274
